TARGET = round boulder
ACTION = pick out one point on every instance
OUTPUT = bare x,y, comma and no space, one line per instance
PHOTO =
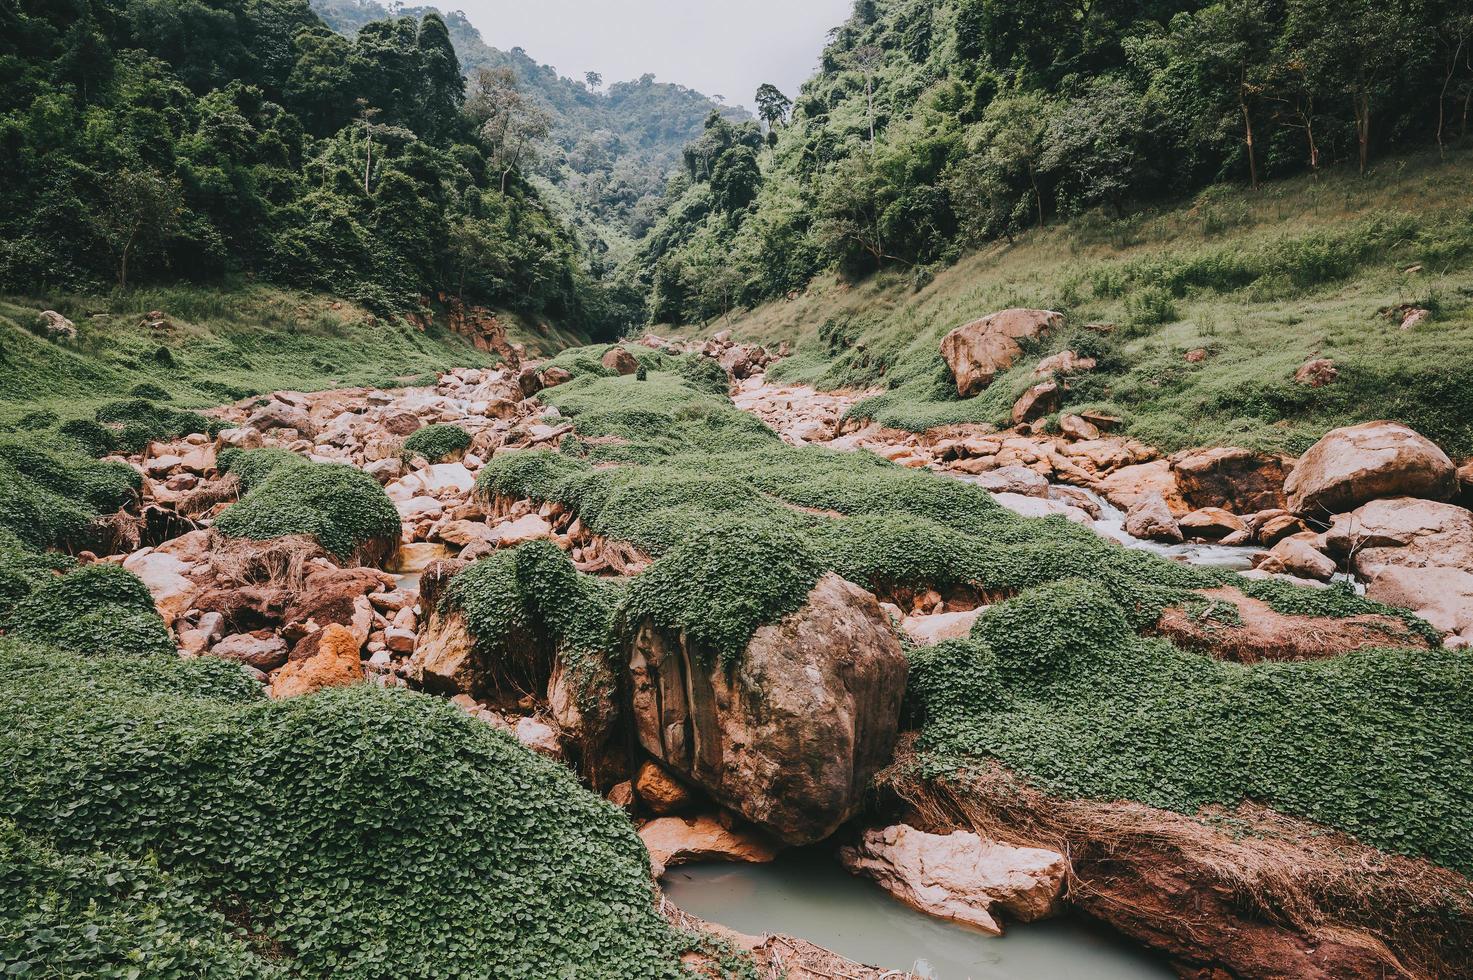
1360,463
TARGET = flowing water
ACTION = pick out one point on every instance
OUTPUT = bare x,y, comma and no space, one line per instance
1111,524
808,895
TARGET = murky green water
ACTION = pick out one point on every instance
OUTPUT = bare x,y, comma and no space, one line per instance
809,896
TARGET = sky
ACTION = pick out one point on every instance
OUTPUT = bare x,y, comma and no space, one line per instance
718,47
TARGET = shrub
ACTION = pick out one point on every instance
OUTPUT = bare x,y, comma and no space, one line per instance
151,391
144,422
43,418
438,443
1051,630
23,570
97,609
361,832
49,492
94,438
342,507
1151,306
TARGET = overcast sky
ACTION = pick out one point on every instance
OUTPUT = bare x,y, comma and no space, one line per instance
719,47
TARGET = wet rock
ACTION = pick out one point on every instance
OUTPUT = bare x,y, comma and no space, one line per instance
660,792
335,664
1360,463
977,352
1041,507
695,840
1128,484
262,649
1212,524
1234,479
620,360
1273,526
1151,520
789,734
959,876
1297,556
1012,479
1040,400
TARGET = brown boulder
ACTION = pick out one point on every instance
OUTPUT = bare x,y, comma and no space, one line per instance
695,840
790,734
1211,524
978,352
1403,531
620,360
1359,463
1235,479
1038,401
554,376
1077,428
1064,362
662,793
1128,484
335,664
1150,519
262,649
1298,556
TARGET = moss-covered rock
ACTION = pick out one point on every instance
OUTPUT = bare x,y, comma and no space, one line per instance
343,508
438,443
361,832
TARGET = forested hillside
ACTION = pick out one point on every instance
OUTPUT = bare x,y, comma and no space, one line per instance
158,141
606,153
934,126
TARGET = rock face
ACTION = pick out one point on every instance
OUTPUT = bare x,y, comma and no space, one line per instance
959,876
1238,480
790,735
979,351
692,840
660,792
335,664
1360,463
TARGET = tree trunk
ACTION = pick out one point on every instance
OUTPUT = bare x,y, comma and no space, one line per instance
1248,139
1038,194
1363,127
368,164
1447,79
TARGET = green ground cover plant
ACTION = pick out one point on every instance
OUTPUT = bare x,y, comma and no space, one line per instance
359,832
1059,683
97,609
50,490
438,443
1057,686
342,507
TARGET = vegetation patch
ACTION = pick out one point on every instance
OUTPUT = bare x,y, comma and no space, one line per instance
342,507
438,443
1056,686
97,609
50,492
359,832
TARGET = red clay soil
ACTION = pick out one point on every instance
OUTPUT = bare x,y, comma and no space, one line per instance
1242,893
1269,635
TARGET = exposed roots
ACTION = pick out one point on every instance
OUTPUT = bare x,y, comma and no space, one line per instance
201,499
279,563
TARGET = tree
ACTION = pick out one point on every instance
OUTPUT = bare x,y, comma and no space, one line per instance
772,106
594,79
138,213
1455,42
868,58
1014,127
442,84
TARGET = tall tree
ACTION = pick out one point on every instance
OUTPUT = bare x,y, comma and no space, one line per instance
443,91
138,212
772,106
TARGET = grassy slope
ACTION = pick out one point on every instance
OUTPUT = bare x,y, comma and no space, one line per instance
223,344
1264,280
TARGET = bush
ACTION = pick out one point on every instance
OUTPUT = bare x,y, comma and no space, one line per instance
151,391
438,443
1051,630
342,507
49,492
23,570
361,832
144,422
42,418
97,609
94,438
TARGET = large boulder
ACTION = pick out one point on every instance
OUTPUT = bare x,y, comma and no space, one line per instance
790,734
335,664
959,876
703,839
1360,463
1149,518
620,360
1038,401
1238,480
1403,531
979,351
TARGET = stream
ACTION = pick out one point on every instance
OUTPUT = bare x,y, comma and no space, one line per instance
808,895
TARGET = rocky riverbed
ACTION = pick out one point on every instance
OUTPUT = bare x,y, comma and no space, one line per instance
736,765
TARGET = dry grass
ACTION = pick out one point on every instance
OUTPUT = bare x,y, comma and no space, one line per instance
279,563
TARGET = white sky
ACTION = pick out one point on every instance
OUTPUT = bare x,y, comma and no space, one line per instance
715,47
